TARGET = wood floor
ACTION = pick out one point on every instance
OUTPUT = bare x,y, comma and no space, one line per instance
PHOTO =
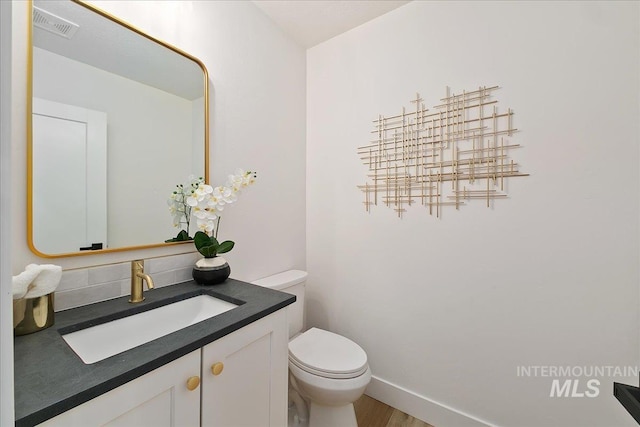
373,413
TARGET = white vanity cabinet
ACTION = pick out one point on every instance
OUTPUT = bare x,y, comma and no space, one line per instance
159,399
237,380
245,376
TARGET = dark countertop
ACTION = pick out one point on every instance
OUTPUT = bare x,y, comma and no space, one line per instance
50,378
629,397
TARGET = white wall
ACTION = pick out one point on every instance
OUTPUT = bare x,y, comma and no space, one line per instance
448,309
6,332
257,83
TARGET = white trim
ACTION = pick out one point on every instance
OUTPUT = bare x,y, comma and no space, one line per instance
421,407
6,308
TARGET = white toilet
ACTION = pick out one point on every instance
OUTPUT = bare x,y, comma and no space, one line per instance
327,372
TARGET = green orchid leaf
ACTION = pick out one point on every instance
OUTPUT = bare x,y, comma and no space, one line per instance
206,245
225,246
208,251
181,237
202,239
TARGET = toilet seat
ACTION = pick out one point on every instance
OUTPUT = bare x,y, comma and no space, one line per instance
327,355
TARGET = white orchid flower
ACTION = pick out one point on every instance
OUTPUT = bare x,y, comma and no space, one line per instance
205,225
198,212
204,202
203,190
199,194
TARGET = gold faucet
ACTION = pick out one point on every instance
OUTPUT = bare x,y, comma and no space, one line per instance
137,276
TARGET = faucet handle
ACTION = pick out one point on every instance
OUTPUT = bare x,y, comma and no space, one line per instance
137,281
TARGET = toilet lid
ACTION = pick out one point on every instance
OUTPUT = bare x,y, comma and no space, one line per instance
327,354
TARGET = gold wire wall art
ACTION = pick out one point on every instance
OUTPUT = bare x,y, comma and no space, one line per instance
455,153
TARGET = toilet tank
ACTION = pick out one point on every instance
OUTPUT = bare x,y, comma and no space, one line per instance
291,282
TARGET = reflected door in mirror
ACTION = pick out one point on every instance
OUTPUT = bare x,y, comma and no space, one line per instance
69,177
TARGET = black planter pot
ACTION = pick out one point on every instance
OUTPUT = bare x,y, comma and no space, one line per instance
211,275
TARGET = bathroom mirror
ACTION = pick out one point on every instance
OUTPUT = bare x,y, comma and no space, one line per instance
116,119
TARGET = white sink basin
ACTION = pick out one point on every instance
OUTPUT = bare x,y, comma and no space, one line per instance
101,341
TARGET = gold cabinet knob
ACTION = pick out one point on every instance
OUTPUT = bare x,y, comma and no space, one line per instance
216,368
193,383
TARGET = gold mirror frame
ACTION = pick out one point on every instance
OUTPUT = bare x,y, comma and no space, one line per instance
30,130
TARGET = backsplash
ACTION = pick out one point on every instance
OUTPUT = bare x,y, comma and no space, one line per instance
89,285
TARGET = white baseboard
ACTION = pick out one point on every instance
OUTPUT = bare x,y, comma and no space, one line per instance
420,407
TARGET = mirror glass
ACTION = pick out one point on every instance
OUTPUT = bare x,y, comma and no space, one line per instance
117,120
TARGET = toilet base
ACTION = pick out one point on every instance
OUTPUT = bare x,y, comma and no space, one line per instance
293,419
332,416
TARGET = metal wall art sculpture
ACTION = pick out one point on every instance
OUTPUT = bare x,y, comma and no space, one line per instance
450,155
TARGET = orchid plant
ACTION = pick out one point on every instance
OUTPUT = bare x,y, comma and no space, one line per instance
206,203
179,208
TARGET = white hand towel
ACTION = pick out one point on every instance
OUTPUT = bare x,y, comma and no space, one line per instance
36,280
22,281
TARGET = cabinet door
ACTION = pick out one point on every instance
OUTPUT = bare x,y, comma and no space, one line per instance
157,399
244,376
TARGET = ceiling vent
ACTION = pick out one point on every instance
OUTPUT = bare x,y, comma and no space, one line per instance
54,24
